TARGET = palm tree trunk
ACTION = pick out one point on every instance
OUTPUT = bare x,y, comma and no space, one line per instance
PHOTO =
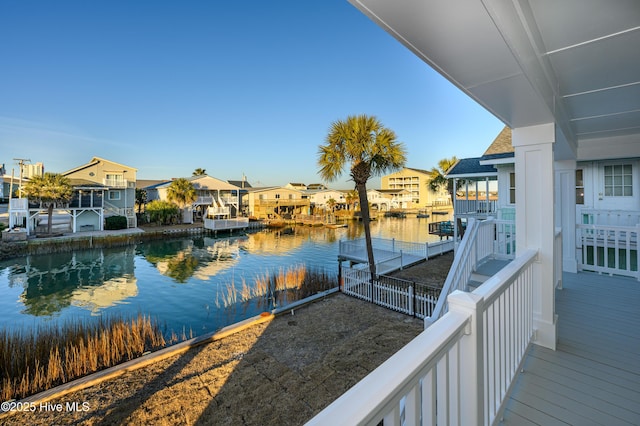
364,211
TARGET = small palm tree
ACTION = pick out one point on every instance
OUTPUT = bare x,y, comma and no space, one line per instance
182,192
49,190
199,172
331,203
437,179
370,149
351,198
141,198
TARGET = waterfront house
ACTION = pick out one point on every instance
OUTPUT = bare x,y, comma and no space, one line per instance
387,199
102,188
416,181
320,198
277,202
533,344
215,197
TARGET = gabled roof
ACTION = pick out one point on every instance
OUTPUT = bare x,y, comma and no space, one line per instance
242,184
209,182
470,168
501,144
94,161
150,184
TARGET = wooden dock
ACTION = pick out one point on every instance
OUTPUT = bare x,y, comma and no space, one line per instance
386,260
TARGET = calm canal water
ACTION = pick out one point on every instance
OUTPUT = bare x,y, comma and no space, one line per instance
180,282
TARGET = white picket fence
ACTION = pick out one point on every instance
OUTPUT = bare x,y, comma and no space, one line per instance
393,293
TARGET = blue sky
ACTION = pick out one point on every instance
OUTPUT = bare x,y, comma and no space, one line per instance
241,87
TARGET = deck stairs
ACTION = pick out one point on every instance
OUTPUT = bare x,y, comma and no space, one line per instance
485,271
479,256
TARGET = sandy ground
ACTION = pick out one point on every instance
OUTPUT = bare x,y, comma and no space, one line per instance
277,373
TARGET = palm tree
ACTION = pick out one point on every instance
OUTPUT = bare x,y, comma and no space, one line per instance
199,172
49,190
182,192
371,150
141,198
438,180
351,198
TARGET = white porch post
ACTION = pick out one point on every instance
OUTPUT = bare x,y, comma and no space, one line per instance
566,212
535,221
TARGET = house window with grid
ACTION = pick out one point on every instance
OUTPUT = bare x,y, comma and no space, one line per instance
512,188
618,181
579,187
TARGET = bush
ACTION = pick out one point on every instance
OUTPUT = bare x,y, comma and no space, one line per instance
115,222
2,226
162,212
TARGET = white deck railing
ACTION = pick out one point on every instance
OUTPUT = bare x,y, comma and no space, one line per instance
459,370
608,249
426,250
472,207
608,217
18,204
224,224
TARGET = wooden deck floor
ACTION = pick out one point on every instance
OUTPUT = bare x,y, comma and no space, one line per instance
593,378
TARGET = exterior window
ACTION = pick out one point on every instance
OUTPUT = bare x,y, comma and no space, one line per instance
579,187
114,180
512,188
291,196
261,197
114,195
618,181
277,196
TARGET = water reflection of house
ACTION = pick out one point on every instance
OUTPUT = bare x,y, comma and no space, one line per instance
110,293
201,263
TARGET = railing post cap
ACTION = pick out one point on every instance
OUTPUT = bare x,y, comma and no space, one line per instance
464,299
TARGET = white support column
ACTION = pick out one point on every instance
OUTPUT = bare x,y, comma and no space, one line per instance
535,219
566,211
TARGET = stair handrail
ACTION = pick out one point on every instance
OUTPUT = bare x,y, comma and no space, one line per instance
464,263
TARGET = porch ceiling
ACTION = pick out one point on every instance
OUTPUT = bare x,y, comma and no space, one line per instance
575,62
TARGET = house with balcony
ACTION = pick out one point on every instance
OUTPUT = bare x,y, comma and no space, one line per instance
389,199
216,198
539,341
277,202
415,181
320,199
102,188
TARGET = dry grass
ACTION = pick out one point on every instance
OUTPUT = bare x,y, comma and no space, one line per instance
36,360
277,288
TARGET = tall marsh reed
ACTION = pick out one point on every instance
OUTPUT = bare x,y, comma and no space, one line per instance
274,289
35,360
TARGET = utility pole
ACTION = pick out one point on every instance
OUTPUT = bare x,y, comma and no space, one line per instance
21,163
